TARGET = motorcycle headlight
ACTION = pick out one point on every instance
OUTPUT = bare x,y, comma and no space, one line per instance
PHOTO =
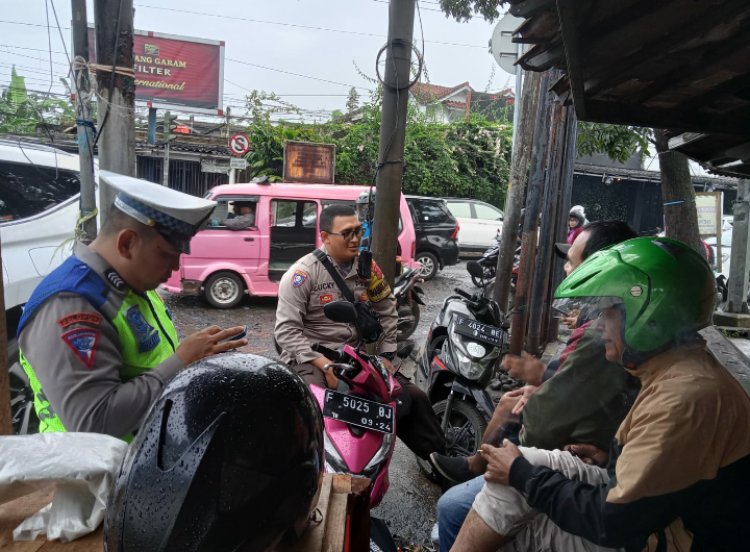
467,367
335,463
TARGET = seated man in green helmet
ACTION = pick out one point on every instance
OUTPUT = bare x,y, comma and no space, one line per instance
97,342
678,472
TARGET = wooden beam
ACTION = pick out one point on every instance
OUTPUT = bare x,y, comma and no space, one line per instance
614,71
621,114
566,12
738,83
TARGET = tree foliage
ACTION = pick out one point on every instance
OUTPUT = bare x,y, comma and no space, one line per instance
617,141
463,10
464,158
24,113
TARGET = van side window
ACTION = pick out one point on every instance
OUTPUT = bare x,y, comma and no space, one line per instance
293,233
227,208
27,190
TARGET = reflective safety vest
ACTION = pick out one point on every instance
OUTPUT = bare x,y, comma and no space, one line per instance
146,333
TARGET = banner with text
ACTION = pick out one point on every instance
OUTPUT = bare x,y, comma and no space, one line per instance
176,70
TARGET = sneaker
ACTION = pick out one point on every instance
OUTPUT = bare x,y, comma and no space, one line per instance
453,468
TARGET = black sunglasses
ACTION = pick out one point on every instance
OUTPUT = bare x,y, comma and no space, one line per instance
350,233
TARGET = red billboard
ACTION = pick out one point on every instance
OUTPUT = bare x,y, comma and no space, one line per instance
177,70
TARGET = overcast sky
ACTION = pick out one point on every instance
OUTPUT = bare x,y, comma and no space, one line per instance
318,40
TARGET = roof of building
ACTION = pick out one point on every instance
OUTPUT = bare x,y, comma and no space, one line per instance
675,64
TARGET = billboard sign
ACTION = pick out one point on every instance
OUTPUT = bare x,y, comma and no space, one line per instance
176,70
708,205
308,162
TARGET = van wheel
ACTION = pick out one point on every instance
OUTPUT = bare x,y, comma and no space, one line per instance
224,290
429,264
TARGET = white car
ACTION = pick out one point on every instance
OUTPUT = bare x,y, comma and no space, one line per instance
39,206
479,223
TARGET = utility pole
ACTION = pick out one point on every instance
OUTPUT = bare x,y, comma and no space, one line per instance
527,105
395,79
84,124
6,426
116,85
169,124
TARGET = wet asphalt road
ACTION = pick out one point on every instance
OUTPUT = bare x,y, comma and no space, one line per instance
409,506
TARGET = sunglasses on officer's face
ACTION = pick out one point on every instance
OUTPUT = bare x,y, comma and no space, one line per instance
350,233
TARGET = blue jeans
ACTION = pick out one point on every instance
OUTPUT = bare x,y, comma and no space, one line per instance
452,509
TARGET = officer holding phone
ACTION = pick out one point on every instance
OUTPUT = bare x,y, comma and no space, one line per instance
97,342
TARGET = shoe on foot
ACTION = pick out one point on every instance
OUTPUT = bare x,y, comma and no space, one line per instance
453,468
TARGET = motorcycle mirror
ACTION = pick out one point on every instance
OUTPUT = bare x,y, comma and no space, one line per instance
341,311
474,269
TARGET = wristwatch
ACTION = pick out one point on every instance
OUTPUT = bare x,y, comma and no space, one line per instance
388,356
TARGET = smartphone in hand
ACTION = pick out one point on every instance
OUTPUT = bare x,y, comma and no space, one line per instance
234,337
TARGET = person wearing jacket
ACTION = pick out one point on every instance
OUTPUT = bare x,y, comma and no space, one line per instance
580,397
576,221
97,342
678,470
301,322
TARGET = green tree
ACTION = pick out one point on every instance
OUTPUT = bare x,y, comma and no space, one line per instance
352,102
24,113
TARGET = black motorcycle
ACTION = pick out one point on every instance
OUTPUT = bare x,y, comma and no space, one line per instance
408,299
464,347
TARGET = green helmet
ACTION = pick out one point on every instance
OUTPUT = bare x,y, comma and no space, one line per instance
665,288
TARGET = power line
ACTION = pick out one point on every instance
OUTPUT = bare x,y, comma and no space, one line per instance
295,74
297,25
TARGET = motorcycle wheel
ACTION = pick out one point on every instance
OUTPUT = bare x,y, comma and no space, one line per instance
22,414
478,282
465,427
408,320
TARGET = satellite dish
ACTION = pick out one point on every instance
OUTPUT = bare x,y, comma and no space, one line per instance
504,50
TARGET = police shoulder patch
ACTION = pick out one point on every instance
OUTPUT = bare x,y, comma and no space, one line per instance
83,343
298,278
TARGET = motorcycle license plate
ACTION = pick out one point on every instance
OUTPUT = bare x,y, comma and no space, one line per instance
476,330
358,411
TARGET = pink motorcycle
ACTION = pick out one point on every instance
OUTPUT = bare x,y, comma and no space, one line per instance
360,415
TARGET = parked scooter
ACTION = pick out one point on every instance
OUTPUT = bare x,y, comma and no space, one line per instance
488,264
408,299
360,421
464,346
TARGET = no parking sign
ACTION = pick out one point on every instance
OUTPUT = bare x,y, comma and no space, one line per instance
239,144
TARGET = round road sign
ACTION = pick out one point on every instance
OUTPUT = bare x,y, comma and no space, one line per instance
239,144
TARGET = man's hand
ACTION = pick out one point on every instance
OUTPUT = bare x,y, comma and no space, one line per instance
207,342
499,461
526,392
589,454
525,367
388,365
331,380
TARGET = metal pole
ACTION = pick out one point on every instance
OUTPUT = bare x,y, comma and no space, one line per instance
6,427
116,91
516,188
392,132
232,176
152,125
531,219
517,99
84,124
565,189
738,268
540,281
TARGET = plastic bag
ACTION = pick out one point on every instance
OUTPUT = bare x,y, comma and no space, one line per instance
81,466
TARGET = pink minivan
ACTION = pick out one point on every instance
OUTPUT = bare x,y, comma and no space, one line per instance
223,264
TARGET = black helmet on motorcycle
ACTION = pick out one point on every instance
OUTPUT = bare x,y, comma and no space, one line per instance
229,458
363,205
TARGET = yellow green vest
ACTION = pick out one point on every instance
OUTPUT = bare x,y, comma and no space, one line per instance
147,338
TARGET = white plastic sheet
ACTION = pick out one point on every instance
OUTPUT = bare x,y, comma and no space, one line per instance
81,466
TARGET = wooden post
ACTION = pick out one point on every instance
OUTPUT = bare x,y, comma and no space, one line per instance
114,48
396,76
6,427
